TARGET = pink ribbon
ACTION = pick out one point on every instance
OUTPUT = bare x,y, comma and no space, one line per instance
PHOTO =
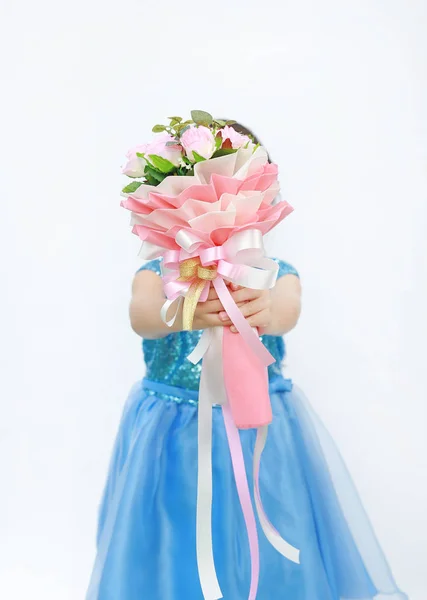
238,463
242,326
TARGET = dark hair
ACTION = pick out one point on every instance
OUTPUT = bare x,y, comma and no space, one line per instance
246,131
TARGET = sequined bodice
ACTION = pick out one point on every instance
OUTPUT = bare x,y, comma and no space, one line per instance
166,358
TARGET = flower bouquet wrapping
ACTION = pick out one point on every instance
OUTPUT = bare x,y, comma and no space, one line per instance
202,197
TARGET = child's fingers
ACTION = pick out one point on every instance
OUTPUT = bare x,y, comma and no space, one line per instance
212,293
245,294
210,306
213,320
254,306
224,316
216,319
213,306
260,319
248,308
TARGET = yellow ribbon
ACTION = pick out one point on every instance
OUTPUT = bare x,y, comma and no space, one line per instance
193,270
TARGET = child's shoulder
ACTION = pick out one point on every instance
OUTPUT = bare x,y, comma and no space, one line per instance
151,265
285,268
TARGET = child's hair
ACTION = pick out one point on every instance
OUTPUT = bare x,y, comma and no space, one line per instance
246,131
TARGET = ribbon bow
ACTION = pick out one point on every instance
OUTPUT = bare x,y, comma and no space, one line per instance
192,270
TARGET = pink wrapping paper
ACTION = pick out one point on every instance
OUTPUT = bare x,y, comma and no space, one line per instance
246,382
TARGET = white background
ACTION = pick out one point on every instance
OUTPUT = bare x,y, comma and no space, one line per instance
337,91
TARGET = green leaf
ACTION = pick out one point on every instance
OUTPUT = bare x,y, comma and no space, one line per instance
153,175
140,154
184,129
224,152
256,147
220,122
177,119
181,127
150,180
230,122
131,187
198,157
200,117
218,142
161,164
158,128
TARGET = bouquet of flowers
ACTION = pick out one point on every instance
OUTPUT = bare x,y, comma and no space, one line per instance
202,196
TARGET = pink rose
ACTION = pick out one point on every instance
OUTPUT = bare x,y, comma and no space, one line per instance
158,146
237,139
200,139
135,165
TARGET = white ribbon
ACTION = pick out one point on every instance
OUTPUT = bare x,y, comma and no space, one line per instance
273,536
165,308
211,391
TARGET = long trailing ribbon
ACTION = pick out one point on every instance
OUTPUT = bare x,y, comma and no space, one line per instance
211,391
238,463
187,274
273,536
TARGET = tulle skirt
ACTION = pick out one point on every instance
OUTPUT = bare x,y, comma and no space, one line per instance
147,520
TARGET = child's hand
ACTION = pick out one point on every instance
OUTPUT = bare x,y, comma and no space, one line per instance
255,305
208,314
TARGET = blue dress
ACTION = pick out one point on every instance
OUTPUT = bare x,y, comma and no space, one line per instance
146,543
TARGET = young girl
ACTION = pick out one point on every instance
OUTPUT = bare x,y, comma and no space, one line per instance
147,522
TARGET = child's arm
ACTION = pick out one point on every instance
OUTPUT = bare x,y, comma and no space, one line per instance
147,300
274,311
